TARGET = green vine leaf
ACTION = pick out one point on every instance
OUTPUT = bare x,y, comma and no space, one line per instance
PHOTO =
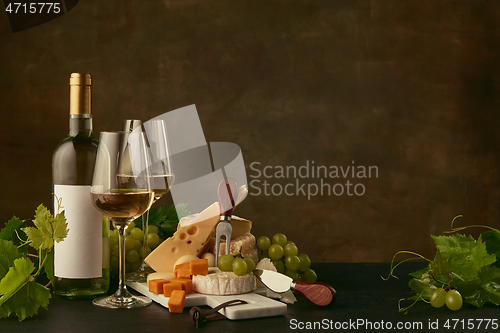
20,293
8,254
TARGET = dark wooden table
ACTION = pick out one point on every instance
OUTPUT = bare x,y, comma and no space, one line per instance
364,299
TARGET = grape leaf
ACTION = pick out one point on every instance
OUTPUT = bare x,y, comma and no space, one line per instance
8,253
427,279
39,239
20,294
165,218
60,227
12,231
485,288
440,268
47,229
490,284
467,255
16,276
421,273
42,219
9,231
469,290
423,288
492,240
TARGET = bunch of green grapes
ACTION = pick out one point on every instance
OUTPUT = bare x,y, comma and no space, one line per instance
451,298
134,250
286,258
237,263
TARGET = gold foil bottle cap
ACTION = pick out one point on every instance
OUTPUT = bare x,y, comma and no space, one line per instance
80,79
80,93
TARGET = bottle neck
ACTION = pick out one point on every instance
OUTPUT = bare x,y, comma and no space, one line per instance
80,124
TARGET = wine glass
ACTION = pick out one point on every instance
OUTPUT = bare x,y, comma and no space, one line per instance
162,179
162,173
121,190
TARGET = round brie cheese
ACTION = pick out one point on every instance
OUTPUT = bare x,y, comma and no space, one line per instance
217,282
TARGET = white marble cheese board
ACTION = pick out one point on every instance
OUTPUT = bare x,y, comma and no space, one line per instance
257,304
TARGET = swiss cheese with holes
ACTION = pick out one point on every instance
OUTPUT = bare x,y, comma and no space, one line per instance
191,239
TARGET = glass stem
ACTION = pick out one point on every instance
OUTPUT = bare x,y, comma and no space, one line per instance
122,288
145,222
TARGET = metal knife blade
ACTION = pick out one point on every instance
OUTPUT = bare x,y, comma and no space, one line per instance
277,282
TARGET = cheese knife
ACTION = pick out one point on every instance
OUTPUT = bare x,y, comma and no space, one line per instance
318,293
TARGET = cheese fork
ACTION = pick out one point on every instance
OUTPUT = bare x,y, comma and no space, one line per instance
227,192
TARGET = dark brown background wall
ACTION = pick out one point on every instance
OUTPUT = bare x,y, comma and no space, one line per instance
411,87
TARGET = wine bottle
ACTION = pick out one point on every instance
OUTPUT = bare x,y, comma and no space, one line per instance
81,260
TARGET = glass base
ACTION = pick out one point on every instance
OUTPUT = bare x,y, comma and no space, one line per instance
141,275
120,302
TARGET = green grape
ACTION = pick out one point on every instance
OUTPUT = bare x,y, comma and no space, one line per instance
263,243
225,263
114,234
131,226
290,249
438,298
453,300
138,245
144,254
280,266
290,242
309,276
275,251
250,264
132,255
280,239
128,266
293,274
305,262
134,266
112,242
292,263
115,250
262,256
239,266
114,261
153,240
129,242
152,229
137,234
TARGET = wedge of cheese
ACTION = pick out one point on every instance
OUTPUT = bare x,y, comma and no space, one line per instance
240,225
217,282
245,243
191,239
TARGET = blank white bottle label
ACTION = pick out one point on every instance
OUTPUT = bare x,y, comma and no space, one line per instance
79,255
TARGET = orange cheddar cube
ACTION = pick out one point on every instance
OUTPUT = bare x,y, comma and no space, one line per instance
187,284
176,301
198,267
156,286
182,271
168,288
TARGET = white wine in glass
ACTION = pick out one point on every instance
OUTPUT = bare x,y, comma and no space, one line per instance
122,155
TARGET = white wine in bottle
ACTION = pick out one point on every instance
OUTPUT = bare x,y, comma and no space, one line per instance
81,260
